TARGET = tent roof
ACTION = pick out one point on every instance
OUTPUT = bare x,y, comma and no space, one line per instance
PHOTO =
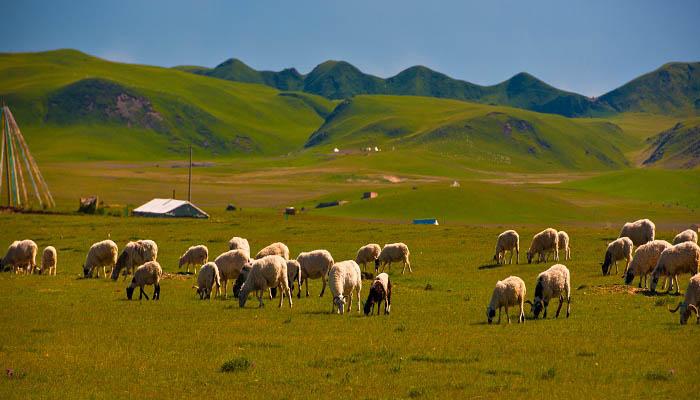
168,207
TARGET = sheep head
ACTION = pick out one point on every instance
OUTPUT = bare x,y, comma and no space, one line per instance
685,311
629,276
87,271
530,254
129,292
339,301
243,295
607,263
490,314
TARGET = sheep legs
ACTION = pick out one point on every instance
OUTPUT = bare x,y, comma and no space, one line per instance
323,289
142,293
408,263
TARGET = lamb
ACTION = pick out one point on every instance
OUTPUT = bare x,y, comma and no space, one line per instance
49,259
393,253
556,281
149,273
134,254
21,256
640,231
207,277
563,238
679,259
508,292
367,254
101,254
507,241
344,278
691,302
378,292
618,249
277,248
267,272
543,243
238,243
230,265
688,235
314,264
645,258
195,256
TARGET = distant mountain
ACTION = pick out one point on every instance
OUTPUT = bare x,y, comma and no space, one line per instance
678,147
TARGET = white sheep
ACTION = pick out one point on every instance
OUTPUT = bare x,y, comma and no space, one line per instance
688,235
314,264
393,252
21,256
207,278
378,292
552,283
344,278
239,243
149,273
640,231
618,249
194,256
133,255
543,243
101,254
49,259
563,238
367,254
679,259
691,302
267,272
507,241
507,293
230,265
278,248
645,258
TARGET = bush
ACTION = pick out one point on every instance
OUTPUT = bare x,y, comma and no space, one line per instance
239,364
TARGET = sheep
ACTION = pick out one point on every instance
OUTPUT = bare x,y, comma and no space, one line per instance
344,278
543,243
242,276
378,292
149,273
314,264
645,258
134,254
230,265
640,231
293,274
681,258
691,302
393,252
21,256
238,243
556,281
101,254
688,235
195,255
617,250
367,254
49,259
563,238
507,241
278,248
207,277
267,272
508,292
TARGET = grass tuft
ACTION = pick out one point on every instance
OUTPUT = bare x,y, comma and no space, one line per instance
549,374
239,364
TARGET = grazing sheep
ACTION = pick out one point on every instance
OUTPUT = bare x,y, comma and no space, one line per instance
378,292
21,256
101,254
344,278
543,243
617,250
241,280
688,235
645,258
195,256
134,254
508,292
267,272
279,249
293,274
367,254
207,277
507,241
49,259
563,238
393,252
691,302
556,281
679,259
238,243
230,265
147,274
640,231
314,264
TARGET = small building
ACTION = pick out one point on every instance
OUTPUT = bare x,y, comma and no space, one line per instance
369,195
426,221
290,211
169,208
327,204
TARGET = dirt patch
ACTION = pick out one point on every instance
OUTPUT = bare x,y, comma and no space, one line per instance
176,277
614,288
393,178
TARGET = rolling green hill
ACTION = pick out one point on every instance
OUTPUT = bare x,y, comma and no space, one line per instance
678,147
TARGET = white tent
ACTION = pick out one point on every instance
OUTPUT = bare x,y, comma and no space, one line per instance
169,208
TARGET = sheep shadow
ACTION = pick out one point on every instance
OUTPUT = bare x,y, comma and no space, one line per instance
491,266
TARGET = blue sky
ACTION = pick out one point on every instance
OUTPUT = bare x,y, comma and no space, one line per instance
588,47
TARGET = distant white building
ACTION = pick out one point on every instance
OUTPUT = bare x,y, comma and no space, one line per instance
336,150
169,208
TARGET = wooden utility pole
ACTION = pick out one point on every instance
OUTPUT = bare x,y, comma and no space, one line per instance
189,180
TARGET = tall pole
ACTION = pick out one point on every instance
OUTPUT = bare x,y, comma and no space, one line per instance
189,180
